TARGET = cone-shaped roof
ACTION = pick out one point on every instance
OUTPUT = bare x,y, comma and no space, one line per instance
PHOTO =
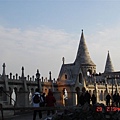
83,56
109,66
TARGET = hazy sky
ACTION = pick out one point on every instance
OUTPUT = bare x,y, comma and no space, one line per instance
36,34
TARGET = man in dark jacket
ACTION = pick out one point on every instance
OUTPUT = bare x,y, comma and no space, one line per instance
93,99
108,97
87,97
82,96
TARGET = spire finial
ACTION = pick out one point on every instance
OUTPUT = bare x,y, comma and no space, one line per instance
63,59
82,30
22,71
50,76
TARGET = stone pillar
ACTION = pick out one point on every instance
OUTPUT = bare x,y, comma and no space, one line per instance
16,76
74,95
10,76
6,87
58,98
71,101
23,95
3,74
63,59
23,99
28,77
24,80
22,72
6,97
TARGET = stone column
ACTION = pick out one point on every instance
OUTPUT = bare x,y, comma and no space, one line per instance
57,96
23,99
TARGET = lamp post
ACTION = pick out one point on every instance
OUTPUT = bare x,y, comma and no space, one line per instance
38,79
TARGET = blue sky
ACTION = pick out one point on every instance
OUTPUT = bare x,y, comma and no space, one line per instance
36,34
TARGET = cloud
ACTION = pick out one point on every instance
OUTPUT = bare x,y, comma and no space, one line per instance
43,48
101,42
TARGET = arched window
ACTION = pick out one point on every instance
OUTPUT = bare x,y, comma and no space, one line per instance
65,96
65,76
13,96
101,96
105,94
89,72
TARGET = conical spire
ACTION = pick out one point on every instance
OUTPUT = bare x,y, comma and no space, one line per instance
83,56
109,66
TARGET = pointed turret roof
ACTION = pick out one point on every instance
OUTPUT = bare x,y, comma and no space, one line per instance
83,56
108,66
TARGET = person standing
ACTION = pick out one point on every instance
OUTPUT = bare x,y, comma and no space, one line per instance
82,97
108,97
87,97
50,102
117,99
114,99
36,99
93,99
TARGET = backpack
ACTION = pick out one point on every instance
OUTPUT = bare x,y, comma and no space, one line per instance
36,98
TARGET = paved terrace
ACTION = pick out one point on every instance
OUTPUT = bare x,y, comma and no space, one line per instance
27,116
22,113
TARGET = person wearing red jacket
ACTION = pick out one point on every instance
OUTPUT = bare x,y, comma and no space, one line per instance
50,102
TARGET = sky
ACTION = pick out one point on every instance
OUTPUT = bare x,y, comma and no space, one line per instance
36,34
